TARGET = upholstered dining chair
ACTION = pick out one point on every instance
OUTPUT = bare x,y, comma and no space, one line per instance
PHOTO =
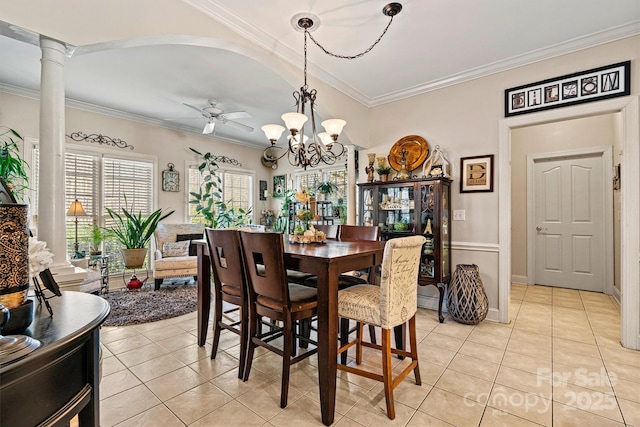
391,304
272,296
352,233
230,286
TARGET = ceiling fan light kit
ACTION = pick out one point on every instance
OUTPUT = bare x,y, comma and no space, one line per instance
324,146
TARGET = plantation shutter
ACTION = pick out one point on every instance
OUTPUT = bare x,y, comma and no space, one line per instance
81,182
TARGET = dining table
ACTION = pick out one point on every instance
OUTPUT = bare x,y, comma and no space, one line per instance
326,261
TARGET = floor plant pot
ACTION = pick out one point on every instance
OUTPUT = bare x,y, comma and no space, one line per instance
467,300
134,258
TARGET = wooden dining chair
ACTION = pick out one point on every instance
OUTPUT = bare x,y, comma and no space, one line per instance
230,286
330,230
272,296
393,303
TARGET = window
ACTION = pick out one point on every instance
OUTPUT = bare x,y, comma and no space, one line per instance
100,181
125,184
310,180
236,189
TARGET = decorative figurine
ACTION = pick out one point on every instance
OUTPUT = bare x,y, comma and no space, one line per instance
403,173
370,169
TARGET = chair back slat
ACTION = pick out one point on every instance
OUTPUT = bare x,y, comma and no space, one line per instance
263,255
330,230
225,252
352,233
399,280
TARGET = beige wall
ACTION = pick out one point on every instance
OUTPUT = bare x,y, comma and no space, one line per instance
463,119
593,131
166,145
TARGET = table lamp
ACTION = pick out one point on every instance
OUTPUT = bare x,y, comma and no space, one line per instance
76,210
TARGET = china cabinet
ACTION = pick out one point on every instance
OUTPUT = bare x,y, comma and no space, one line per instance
410,207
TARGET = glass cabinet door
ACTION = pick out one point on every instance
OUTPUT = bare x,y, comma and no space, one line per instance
445,233
367,207
396,209
427,223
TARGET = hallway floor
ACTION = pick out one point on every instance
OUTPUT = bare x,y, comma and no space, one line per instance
558,362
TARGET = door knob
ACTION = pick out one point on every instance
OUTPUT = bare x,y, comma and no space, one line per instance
538,228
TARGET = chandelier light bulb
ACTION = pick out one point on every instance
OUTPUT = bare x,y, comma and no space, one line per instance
294,121
334,126
325,138
273,132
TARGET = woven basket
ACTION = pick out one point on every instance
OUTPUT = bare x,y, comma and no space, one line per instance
467,301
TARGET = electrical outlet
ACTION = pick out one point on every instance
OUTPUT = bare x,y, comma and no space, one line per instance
458,214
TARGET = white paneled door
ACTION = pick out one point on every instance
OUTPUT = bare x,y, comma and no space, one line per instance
570,222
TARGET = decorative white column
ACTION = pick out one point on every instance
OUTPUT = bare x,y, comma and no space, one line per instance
351,185
51,188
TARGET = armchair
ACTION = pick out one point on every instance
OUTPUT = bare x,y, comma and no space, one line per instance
172,259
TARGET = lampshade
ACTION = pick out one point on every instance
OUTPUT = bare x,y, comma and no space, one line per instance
325,138
76,209
334,126
273,132
294,121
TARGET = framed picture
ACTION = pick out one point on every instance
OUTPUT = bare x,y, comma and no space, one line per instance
586,86
279,186
264,192
476,174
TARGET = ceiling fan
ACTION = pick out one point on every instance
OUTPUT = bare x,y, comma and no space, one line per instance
215,115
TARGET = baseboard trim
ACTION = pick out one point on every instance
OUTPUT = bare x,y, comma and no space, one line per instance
617,296
517,278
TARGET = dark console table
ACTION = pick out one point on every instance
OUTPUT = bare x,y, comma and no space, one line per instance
61,378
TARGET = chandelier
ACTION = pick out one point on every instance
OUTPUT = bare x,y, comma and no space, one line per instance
309,151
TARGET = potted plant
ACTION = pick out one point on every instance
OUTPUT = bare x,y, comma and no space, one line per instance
384,172
96,237
209,204
134,231
13,169
327,188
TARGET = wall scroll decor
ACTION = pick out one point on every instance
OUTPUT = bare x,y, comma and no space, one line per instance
592,85
100,139
225,159
476,174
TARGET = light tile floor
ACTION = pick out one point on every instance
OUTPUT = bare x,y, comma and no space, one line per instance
558,362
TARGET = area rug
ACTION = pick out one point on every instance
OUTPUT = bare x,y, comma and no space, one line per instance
132,307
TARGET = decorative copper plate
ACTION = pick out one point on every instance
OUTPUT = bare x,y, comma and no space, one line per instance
416,148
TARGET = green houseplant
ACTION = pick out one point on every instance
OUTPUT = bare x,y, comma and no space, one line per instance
384,172
96,237
208,201
13,169
133,232
327,188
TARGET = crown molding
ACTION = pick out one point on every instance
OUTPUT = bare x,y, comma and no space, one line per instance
264,40
85,106
559,49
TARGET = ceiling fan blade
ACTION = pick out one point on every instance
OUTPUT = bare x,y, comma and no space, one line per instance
209,127
199,110
193,107
237,125
235,115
